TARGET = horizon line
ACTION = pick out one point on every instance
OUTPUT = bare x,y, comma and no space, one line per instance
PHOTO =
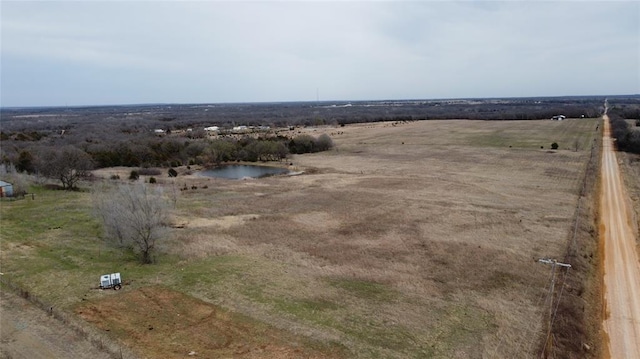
307,101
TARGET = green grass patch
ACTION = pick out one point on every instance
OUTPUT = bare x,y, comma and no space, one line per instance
52,246
569,134
317,311
386,339
461,326
28,220
365,289
209,271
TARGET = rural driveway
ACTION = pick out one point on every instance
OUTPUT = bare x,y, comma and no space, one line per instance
621,266
28,332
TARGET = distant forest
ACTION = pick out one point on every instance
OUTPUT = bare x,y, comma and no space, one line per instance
170,135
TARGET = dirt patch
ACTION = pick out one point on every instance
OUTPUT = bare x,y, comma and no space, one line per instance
161,323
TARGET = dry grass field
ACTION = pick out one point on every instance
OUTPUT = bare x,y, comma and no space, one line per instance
415,239
408,239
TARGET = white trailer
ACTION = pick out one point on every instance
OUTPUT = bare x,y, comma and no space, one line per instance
111,281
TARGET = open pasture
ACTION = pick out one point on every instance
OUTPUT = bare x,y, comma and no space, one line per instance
415,239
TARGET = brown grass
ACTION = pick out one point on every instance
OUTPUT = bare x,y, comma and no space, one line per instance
410,240
417,240
576,331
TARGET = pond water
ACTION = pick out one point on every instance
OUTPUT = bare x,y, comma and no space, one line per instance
242,171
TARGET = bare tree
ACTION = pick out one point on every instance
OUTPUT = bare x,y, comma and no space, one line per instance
69,165
134,216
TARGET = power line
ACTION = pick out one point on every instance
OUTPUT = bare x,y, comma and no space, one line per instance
548,298
552,312
534,329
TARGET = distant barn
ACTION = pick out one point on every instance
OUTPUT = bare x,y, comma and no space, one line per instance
6,189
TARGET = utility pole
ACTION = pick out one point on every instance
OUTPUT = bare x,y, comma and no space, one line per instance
554,263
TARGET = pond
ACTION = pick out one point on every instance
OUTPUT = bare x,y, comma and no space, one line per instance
242,171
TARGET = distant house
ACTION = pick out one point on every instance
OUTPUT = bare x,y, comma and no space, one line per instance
6,189
558,117
212,129
240,129
158,131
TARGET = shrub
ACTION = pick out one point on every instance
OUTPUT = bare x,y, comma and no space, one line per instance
554,146
302,144
173,173
134,175
114,177
26,162
324,142
152,180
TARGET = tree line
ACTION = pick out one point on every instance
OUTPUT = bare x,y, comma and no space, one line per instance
133,119
173,152
70,163
625,126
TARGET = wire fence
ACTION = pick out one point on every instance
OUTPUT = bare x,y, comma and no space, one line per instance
547,349
83,330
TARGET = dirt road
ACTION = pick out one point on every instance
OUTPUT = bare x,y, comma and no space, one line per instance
621,266
28,332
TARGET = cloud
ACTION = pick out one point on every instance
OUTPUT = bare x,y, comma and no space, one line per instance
279,51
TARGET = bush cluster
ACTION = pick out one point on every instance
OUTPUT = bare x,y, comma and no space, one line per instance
627,136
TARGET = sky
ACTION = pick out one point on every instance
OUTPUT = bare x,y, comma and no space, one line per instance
55,53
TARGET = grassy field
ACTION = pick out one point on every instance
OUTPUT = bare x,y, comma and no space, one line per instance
406,240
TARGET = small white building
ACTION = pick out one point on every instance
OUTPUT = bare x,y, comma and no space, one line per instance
6,189
212,129
240,129
558,117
